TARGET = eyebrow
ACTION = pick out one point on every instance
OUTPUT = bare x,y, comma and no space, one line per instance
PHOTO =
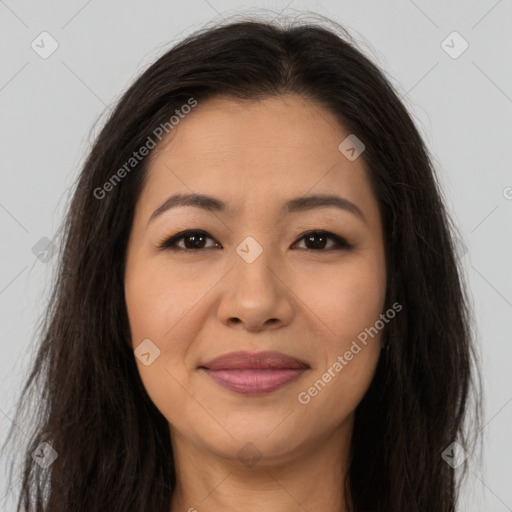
298,204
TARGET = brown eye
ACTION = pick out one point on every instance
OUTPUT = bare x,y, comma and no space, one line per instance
193,241
318,240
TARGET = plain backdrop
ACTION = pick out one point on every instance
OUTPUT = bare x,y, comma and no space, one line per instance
460,98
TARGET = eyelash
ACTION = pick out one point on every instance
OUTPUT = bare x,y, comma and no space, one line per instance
169,244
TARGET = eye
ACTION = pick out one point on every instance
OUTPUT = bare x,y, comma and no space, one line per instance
318,241
194,241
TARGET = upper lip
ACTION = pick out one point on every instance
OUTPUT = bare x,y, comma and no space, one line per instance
260,360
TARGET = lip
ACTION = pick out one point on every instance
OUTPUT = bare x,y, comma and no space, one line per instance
254,373
243,360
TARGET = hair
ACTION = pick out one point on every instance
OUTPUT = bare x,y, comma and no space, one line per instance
113,445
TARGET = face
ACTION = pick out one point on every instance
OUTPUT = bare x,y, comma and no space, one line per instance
254,278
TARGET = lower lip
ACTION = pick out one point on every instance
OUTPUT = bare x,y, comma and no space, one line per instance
254,382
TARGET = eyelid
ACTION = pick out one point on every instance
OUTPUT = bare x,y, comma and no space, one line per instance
169,243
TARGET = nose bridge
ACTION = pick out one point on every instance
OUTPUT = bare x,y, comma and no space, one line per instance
255,263
257,229
254,294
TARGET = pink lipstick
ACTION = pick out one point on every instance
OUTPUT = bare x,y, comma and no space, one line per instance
254,373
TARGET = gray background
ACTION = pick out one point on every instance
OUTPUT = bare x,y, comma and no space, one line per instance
51,111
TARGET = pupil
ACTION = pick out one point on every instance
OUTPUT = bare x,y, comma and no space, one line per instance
316,245
194,240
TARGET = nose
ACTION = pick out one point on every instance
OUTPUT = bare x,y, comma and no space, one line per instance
256,296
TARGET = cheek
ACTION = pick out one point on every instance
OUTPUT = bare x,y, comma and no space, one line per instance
154,308
157,298
157,310
347,299
347,303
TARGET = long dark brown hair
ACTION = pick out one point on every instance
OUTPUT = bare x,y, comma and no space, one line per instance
84,391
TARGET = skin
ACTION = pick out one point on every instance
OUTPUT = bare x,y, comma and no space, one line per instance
311,304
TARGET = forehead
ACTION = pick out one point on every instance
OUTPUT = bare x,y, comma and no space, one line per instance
242,127
255,153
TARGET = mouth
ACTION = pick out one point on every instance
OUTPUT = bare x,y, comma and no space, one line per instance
254,373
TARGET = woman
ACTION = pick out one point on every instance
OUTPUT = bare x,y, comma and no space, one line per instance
259,305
